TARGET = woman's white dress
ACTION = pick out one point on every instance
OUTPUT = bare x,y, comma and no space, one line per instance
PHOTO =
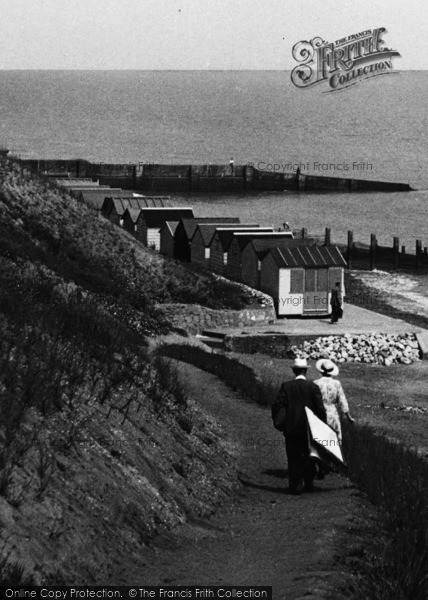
335,402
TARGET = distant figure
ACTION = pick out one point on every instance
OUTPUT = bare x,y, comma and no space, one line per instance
232,166
286,226
289,416
336,303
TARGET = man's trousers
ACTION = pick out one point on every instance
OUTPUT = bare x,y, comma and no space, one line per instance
301,468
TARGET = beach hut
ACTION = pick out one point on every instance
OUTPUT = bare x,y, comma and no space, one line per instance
113,208
129,220
221,240
150,221
94,197
155,201
253,253
201,241
76,191
239,244
67,183
186,229
300,278
167,238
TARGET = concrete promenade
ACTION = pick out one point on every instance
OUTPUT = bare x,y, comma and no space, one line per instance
355,320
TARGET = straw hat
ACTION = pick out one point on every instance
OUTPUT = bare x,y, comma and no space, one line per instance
325,365
300,363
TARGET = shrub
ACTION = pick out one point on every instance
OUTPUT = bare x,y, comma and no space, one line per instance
13,573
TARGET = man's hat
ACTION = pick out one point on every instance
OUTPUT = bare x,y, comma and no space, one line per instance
300,363
325,365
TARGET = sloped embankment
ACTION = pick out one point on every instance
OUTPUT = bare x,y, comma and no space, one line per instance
100,446
42,224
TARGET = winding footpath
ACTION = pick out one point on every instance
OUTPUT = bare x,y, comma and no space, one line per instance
263,536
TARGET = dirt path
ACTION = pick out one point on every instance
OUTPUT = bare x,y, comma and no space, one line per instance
264,536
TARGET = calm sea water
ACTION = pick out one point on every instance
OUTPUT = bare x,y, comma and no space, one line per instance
254,116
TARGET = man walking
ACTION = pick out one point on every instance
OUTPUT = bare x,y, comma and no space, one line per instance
289,408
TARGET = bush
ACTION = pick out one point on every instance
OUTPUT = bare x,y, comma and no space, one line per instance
12,573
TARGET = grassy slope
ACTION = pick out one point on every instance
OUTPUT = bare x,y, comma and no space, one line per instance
100,447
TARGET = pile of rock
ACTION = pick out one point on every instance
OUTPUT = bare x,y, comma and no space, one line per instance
416,410
378,348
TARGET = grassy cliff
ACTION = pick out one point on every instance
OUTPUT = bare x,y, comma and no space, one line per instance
101,448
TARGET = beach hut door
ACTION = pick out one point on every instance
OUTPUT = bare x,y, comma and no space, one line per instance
315,296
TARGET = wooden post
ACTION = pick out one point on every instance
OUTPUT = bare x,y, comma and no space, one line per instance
327,238
192,179
373,244
350,248
418,253
395,252
248,177
304,233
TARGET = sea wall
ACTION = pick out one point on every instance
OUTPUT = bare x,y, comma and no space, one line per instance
195,318
150,177
231,370
342,184
277,346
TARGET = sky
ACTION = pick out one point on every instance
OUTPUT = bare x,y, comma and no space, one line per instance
197,34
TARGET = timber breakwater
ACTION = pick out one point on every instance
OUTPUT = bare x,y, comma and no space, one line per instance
149,177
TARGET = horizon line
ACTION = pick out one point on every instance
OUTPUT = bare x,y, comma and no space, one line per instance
167,70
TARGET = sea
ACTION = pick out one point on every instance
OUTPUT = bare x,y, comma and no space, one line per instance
375,129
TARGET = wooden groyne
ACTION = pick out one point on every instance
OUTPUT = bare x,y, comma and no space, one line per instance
154,178
371,255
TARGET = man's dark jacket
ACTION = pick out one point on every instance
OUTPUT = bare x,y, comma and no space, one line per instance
294,396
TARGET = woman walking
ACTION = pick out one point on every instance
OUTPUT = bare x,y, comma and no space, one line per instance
334,400
333,396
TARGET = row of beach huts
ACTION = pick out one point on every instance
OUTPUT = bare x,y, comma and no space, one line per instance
298,273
